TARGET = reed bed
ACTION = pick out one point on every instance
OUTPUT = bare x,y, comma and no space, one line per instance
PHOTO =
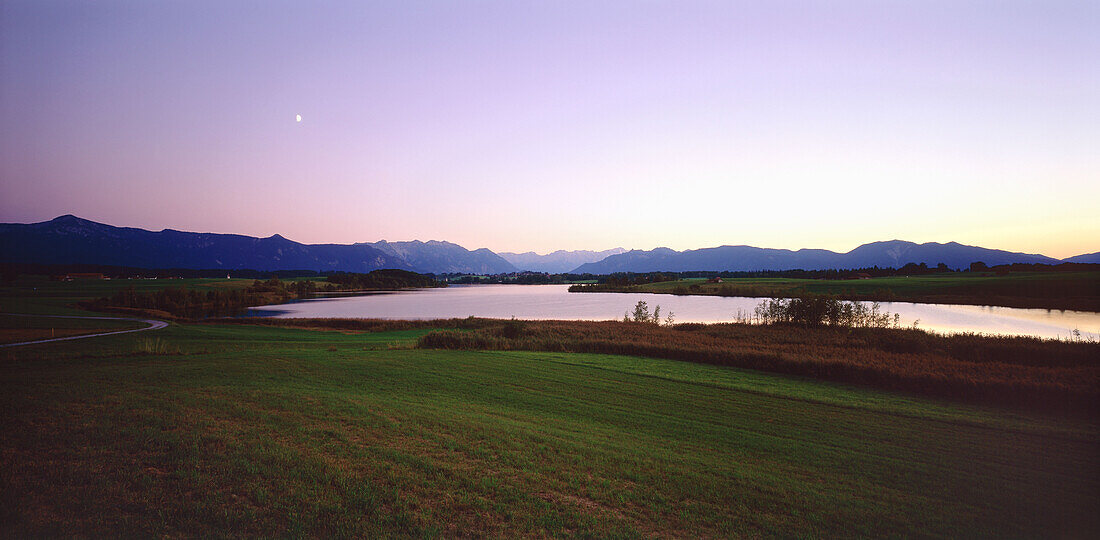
1052,375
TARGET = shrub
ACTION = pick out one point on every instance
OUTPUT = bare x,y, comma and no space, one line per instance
819,310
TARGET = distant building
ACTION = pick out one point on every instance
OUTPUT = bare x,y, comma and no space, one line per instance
83,275
714,280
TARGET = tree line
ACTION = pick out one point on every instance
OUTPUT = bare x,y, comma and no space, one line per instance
191,303
620,279
389,279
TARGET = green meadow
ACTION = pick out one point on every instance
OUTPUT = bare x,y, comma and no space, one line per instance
215,429
206,430
17,329
40,295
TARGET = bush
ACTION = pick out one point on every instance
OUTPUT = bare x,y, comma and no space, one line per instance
819,310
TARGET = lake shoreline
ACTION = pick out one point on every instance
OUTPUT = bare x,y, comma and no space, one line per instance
1085,305
554,302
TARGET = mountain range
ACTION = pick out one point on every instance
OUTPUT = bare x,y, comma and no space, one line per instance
438,257
1093,258
72,240
893,253
558,262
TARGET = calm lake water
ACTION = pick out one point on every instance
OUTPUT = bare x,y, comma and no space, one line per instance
556,302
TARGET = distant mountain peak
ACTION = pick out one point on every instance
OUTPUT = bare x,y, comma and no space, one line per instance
71,240
881,243
1093,258
70,220
885,253
557,261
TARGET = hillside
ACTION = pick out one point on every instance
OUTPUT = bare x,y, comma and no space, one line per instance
894,253
438,257
72,240
1090,258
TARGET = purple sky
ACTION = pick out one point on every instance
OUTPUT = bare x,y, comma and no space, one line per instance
560,125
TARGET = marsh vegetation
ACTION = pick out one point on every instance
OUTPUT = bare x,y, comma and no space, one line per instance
1027,372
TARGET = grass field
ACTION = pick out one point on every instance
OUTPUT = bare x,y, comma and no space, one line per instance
232,429
1054,290
278,431
15,329
40,295
1023,372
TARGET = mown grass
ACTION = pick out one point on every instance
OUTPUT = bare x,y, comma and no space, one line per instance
1053,290
1018,371
15,329
266,431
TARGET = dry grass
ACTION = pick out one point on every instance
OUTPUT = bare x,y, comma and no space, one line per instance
1046,374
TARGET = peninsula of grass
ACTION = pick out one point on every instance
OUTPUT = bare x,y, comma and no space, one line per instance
1049,290
242,430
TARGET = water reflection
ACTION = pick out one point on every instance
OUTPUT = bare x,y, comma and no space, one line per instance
555,302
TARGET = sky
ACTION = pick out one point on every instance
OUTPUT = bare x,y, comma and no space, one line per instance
548,125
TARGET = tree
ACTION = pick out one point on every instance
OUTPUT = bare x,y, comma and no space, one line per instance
641,311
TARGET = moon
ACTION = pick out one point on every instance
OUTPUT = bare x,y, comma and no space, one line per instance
297,118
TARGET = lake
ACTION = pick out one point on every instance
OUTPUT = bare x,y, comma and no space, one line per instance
548,302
